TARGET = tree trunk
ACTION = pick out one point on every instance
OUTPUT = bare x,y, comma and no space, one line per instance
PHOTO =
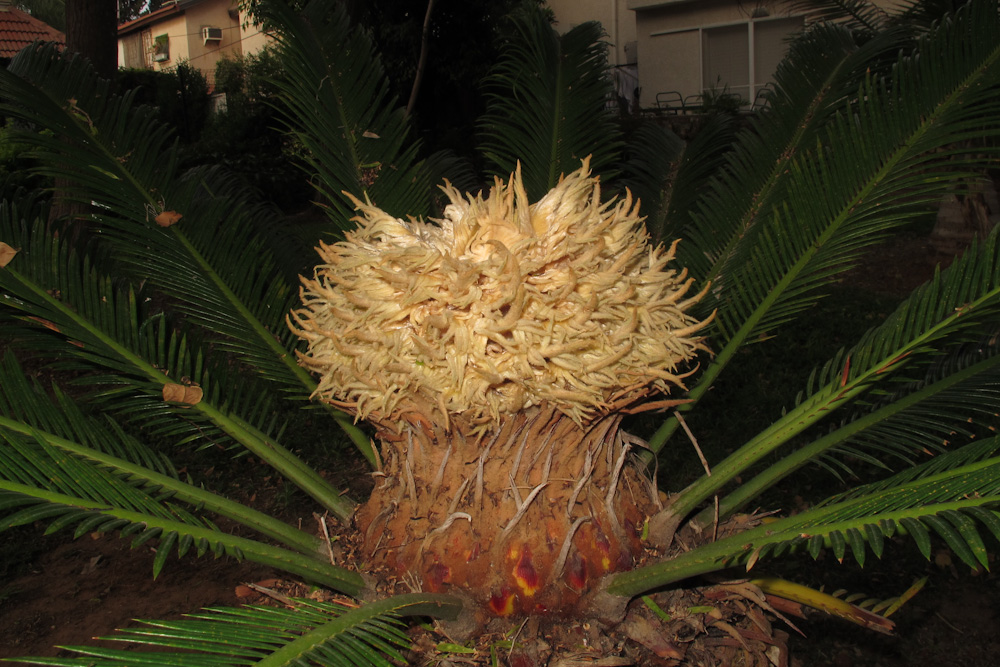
425,38
525,520
92,31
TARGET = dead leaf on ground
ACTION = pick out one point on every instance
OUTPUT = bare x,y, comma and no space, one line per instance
641,630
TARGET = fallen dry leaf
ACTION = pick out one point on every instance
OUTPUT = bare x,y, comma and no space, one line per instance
643,631
181,393
167,218
6,254
242,591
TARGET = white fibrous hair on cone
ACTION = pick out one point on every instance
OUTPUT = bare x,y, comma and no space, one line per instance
499,306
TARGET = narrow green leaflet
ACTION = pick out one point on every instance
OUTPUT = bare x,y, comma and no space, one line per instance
546,105
952,308
100,325
954,504
311,633
193,235
894,136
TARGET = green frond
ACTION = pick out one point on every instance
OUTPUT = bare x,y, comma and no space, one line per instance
863,15
953,309
967,455
955,503
920,15
45,478
928,414
819,73
81,111
71,312
920,417
703,156
86,319
546,105
57,438
335,101
220,262
852,182
899,137
27,403
179,530
651,156
33,461
312,632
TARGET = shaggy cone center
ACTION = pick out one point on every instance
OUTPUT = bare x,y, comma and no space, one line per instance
495,350
524,521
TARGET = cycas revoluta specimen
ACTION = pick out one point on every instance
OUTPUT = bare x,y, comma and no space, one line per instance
496,352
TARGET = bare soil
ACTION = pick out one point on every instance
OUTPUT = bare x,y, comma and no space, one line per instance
71,591
81,589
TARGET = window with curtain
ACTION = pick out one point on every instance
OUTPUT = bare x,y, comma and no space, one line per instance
741,58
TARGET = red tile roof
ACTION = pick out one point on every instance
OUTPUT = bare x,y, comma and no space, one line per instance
151,17
19,29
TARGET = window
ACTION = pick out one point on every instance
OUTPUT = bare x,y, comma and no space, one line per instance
133,54
161,49
725,56
741,59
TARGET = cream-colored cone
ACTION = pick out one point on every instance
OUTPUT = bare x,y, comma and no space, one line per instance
499,306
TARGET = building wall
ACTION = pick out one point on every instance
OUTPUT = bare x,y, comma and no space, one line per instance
677,39
253,39
174,27
215,15
690,47
183,31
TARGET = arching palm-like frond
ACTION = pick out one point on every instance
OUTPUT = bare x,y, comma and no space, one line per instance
862,15
44,426
648,170
884,153
83,315
954,308
310,633
335,101
195,236
545,106
66,476
953,496
689,176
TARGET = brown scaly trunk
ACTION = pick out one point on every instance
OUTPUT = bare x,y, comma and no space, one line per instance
92,32
524,520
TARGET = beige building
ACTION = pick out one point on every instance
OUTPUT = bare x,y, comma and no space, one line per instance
198,32
689,47
618,21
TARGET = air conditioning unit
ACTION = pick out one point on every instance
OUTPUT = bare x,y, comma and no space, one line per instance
211,35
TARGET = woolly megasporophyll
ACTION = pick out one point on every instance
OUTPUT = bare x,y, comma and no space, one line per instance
496,351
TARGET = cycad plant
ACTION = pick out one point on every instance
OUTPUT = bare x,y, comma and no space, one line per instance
497,348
